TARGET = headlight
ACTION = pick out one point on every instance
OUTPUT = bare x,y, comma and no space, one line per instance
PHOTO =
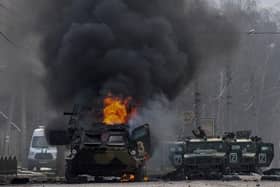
74,151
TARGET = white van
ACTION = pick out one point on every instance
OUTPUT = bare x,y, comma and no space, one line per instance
41,155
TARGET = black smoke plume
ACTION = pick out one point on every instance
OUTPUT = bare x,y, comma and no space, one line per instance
137,48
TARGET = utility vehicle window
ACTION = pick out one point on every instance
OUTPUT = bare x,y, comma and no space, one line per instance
39,142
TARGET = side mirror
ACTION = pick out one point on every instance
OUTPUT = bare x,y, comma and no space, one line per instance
58,137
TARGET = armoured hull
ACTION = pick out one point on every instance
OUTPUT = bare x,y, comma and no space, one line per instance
114,162
108,151
210,157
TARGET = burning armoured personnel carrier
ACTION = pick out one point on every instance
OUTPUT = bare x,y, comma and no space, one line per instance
107,148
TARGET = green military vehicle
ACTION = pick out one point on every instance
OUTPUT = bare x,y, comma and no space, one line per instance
265,154
167,160
247,154
212,157
101,150
241,156
176,151
204,158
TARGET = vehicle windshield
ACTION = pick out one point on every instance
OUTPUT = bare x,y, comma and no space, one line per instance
116,140
246,147
39,142
194,147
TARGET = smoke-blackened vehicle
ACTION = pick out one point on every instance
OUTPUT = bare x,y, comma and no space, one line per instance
108,151
204,157
107,148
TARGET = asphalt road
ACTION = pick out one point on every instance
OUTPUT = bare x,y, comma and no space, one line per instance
166,184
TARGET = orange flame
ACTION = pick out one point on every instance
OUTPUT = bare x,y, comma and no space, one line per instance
116,110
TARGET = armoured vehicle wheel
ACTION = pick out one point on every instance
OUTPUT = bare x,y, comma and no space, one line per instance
180,175
70,175
98,179
140,174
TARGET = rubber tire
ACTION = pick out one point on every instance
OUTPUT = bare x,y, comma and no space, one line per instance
98,179
139,175
70,175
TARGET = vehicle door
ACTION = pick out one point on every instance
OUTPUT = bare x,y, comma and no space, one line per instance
176,153
141,140
265,154
234,154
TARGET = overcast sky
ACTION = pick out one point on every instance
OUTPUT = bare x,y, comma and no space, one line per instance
268,3
262,3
